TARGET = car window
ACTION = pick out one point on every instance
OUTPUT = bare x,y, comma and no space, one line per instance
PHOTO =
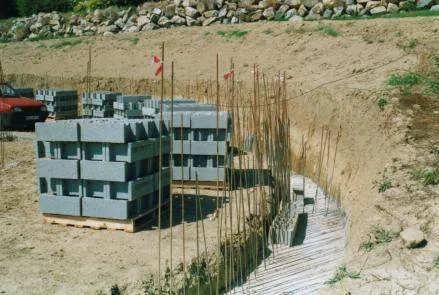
7,90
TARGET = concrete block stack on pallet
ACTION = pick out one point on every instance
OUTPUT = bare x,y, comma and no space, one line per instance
61,104
198,131
101,168
99,104
129,106
151,108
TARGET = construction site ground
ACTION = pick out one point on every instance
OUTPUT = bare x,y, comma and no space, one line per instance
331,80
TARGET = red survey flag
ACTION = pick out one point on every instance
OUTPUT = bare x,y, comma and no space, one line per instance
155,59
159,70
228,75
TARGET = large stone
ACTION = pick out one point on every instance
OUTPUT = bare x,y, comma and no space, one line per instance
164,22
256,16
327,14
318,8
191,12
208,21
338,11
280,13
392,8
210,13
142,20
362,1
178,20
378,10
435,8
246,3
149,27
190,3
170,10
156,11
296,19
264,4
223,12
372,4
293,3
111,13
108,34
310,3
290,13
218,3
36,27
98,15
268,13
190,21
412,237
330,3
351,9
313,16
302,11
19,31
201,7
234,20
424,3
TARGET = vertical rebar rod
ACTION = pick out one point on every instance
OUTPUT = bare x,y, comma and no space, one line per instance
160,165
171,174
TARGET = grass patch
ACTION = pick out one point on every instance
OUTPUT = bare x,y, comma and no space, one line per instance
406,79
435,151
382,103
293,29
409,46
42,45
328,30
65,43
135,40
384,183
234,33
4,40
342,273
414,13
381,236
428,176
436,262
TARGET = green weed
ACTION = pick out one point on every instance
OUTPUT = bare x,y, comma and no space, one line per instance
415,13
4,40
382,102
367,246
384,183
42,45
381,235
328,30
428,176
115,290
135,40
407,79
341,274
436,262
234,33
65,43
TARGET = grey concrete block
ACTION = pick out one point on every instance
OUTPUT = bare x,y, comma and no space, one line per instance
109,130
107,171
64,169
178,174
208,174
60,205
57,131
112,209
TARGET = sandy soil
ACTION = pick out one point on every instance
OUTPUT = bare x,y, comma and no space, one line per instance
365,51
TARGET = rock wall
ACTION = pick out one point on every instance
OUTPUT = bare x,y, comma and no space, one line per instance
150,16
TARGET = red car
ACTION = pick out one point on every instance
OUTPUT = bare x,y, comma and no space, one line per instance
19,111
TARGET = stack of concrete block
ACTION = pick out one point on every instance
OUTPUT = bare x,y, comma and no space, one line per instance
61,104
103,168
129,106
198,139
151,108
99,104
25,92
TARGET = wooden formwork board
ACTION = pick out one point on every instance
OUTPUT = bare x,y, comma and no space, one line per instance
129,225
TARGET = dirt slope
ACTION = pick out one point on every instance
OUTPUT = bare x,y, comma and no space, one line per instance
371,141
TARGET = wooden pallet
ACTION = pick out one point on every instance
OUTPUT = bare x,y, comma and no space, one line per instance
129,226
202,185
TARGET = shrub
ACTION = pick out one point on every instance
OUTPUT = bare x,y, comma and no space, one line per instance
7,8
88,5
29,7
428,176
